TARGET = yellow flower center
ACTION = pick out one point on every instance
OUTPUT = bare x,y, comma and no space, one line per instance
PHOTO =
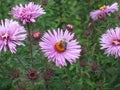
60,46
116,42
103,7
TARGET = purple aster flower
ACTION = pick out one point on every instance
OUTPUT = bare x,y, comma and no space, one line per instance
27,13
112,8
110,41
104,11
60,46
11,33
98,14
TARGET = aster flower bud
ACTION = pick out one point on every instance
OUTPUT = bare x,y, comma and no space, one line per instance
33,74
87,32
48,74
36,35
118,15
83,63
90,25
15,73
82,51
69,27
21,87
94,66
44,2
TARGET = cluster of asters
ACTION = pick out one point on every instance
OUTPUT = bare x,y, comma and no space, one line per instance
110,41
57,45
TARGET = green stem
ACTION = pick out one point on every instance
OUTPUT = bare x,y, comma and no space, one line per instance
93,49
46,85
2,11
68,78
33,85
31,51
1,68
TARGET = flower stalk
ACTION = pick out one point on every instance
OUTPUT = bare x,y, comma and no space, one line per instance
31,46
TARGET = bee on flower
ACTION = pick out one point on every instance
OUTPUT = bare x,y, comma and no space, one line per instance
59,46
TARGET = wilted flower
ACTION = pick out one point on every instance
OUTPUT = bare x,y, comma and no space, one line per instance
33,74
82,51
87,32
83,63
11,33
48,74
104,11
110,41
95,66
44,2
118,15
27,13
21,87
15,73
60,46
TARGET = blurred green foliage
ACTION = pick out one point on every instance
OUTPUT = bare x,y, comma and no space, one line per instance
104,76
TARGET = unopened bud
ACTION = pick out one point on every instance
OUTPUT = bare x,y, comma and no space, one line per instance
44,2
69,27
83,63
87,32
48,74
36,35
21,87
90,25
94,66
118,15
15,73
82,51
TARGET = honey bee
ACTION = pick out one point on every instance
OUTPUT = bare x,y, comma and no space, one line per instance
64,43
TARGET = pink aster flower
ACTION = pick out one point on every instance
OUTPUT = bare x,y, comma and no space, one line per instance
104,11
60,46
11,33
27,13
110,41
